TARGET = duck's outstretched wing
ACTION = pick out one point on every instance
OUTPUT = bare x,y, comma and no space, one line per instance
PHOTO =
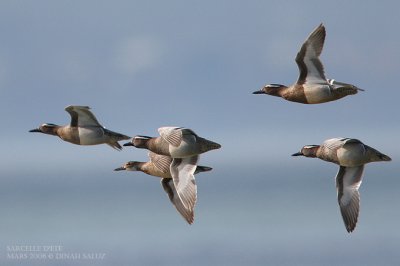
348,180
169,188
307,59
182,172
81,116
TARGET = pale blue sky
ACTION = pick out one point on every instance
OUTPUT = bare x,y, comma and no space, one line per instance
145,64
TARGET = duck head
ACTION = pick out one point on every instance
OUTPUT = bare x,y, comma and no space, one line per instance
129,166
307,151
271,89
46,128
138,141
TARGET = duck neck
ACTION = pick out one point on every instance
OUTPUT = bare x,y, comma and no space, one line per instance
278,92
313,152
142,166
55,131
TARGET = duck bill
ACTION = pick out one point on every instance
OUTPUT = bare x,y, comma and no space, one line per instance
297,154
119,169
35,130
259,92
128,144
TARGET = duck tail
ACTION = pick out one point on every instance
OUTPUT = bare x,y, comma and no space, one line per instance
201,168
115,145
115,135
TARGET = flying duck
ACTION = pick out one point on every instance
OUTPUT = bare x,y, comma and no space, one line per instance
84,129
312,86
159,165
351,155
184,146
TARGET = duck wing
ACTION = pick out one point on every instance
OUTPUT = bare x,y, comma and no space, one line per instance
182,172
336,143
81,116
161,162
348,180
169,188
307,59
175,135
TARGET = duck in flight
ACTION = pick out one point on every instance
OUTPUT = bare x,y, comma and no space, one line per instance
177,142
351,155
84,129
159,165
184,146
312,86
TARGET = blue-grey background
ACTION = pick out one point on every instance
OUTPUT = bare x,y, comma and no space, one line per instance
145,64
